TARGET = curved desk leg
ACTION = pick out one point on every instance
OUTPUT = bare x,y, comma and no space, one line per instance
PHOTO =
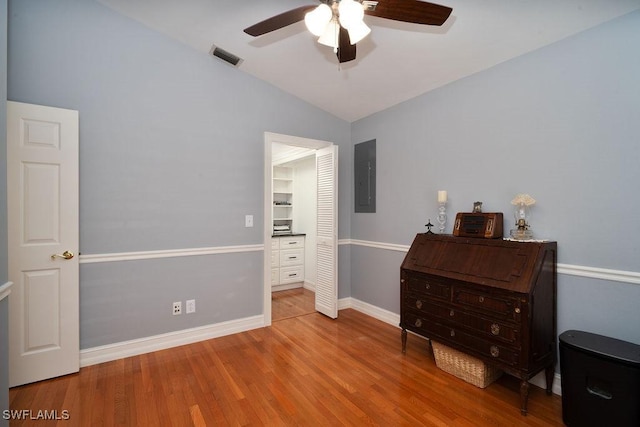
524,396
549,372
404,340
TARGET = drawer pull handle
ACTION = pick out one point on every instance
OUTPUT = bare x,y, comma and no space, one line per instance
292,275
495,351
419,304
453,333
452,313
401,280
418,323
481,299
427,286
293,257
293,243
517,310
495,329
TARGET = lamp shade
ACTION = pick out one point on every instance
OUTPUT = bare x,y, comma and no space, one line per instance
317,20
358,32
351,13
330,36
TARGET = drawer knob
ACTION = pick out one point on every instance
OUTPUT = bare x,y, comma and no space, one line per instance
418,323
453,333
452,313
401,280
419,304
427,286
481,299
495,329
495,351
517,310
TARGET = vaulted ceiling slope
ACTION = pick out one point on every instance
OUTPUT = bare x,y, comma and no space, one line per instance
396,62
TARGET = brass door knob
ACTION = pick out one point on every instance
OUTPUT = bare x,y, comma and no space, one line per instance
65,255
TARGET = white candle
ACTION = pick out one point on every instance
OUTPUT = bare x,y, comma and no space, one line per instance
442,196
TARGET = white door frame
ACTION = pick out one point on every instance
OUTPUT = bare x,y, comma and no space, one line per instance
269,138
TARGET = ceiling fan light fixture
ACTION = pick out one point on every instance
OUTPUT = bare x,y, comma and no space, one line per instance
330,35
358,32
351,13
318,19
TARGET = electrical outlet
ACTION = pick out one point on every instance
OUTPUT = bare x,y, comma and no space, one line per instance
248,220
191,306
177,308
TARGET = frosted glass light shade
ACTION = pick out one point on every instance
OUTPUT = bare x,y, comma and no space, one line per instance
330,35
351,13
317,20
358,32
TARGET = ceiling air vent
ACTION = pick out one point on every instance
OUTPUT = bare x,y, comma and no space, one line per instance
225,56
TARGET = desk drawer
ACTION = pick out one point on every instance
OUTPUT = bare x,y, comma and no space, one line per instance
474,345
426,285
458,318
502,307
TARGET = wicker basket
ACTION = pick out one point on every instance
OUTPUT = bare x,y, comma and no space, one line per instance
463,366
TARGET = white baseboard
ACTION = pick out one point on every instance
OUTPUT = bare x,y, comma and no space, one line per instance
286,286
107,353
370,310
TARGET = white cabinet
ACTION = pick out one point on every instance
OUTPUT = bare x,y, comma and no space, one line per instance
287,260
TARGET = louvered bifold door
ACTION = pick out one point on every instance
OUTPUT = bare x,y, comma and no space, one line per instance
327,233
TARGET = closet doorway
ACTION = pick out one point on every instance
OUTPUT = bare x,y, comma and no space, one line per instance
300,222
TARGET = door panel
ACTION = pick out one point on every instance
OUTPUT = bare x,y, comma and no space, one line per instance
327,232
42,201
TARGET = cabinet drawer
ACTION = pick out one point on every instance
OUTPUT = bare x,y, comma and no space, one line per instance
293,242
275,259
474,345
454,317
275,243
497,306
428,286
291,257
292,274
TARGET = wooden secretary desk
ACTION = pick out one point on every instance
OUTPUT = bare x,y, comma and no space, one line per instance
493,299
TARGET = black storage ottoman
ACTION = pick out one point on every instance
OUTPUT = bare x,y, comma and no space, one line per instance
600,380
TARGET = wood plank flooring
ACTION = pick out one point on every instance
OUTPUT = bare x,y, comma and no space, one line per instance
292,303
305,371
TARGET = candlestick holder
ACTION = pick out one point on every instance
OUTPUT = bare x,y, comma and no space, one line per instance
429,225
442,216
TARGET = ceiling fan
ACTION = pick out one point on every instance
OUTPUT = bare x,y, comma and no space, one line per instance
339,23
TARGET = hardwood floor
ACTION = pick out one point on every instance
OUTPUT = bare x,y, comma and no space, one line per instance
292,303
305,370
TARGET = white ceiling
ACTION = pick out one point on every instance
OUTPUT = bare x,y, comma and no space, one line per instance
396,62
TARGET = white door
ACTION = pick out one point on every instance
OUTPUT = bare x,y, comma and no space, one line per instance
327,232
42,199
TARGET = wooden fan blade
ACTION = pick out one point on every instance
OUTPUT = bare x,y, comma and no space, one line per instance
279,21
346,50
414,11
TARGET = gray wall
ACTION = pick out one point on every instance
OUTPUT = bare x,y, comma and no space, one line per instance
561,124
171,157
4,304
